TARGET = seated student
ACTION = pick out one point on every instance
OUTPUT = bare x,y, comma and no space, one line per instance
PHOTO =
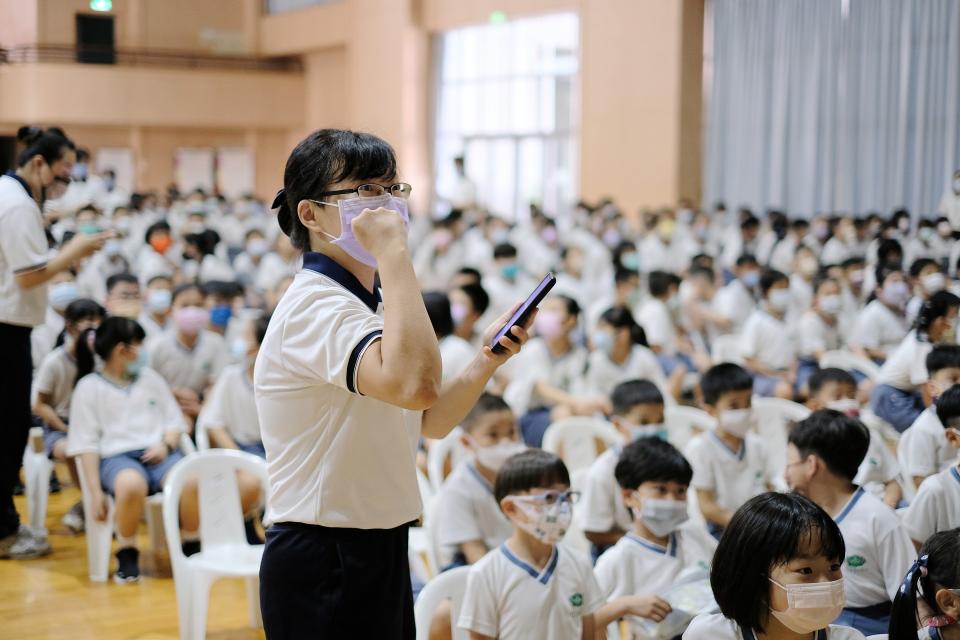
123,296
730,464
657,316
53,388
837,389
923,449
818,329
221,296
936,506
927,279
897,397
881,325
468,303
778,549
125,428
156,311
626,293
470,522
189,356
530,586
635,573
824,453
766,344
637,412
455,352
929,594
734,302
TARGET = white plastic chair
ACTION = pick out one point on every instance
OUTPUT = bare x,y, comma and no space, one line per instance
575,537
449,585
439,451
726,349
225,550
684,422
849,361
771,416
37,468
99,534
574,439
201,435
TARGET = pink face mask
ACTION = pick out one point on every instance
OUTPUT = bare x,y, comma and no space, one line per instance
549,324
350,208
191,320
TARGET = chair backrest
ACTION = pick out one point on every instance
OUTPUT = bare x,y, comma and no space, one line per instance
575,538
849,361
201,435
439,452
772,418
683,422
573,439
221,516
449,585
726,349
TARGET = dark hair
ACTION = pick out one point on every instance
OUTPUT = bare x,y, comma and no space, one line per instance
438,309
853,261
651,459
767,531
119,278
820,377
260,326
49,144
948,407
180,289
886,248
572,306
937,567
478,297
943,356
621,318
470,271
769,278
528,470
111,332
631,393
724,378
839,440
504,250
622,275
160,226
936,306
222,289
920,264
486,403
83,309
747,260
206,241
700,271
160,276
660,282
323,158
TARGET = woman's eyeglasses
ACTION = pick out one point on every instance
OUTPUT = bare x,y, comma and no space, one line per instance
399,190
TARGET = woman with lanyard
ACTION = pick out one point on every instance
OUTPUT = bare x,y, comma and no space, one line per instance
43,171
345,386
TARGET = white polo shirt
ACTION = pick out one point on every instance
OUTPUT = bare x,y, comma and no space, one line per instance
109,419
814,334
733,476
231,406
466,511
906,367
508,599
335,457
536,364
879,466
658,324
455,354
55,377
879,551
923,449
23,248
768,340
734,301
714,626
879,328
603,374
193,368
603,506
936,507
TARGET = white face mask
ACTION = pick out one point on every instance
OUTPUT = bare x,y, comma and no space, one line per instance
638,431
780,299
495,456
736,422
846,406
831,305
933,282
810,607
662,517
546,523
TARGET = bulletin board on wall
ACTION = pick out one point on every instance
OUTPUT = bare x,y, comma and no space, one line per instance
194,168
235,171
121,161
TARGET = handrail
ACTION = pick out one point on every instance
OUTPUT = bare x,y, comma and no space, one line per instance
33,53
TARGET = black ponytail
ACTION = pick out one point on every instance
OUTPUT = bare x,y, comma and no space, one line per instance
84,354
937,306
621,318
938,567
48,144
111,332
77,311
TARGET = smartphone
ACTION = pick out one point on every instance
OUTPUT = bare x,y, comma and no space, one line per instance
523,313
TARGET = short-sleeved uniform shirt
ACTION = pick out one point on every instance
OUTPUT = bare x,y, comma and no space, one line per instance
23,248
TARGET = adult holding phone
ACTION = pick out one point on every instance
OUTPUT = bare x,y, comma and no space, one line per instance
345,385
26,265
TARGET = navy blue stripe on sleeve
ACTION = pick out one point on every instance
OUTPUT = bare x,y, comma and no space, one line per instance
355,359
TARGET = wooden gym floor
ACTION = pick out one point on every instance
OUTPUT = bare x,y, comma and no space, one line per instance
52,597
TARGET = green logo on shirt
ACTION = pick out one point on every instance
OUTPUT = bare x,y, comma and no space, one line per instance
856,561
576,600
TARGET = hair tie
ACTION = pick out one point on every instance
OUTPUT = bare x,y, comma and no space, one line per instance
280,199
919,567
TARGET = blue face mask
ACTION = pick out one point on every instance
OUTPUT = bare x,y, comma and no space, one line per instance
135,368
220,315
510,271
602,341
62,294
751,279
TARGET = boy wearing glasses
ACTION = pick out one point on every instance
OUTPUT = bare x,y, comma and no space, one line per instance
529,587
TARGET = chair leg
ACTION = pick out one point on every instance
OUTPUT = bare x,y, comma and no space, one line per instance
200,601
182,584
38,512
253,601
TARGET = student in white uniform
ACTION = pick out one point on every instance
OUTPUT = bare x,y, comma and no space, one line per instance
531,586
730,464
637,412
928,593
125,430
882,324
156,305
767,346
42,171
936,507
818,329
455,352
658,316
735,301
470,522
53,389
635,574
897,398
468,303
824,453
778,571
879,472
923,449
331,367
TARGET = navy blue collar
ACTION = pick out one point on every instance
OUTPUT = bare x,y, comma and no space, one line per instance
325,265
739,455
748,634
541,577
479,477
955,473
670,549
850,505
23,183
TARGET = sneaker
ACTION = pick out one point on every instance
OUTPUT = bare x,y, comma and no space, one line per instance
23,545
191,547
250,529
73,519
54,483
128,566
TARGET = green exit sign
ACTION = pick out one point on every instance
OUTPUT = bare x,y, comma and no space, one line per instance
101,5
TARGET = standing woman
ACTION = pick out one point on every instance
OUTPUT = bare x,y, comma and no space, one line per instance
26,265
346,383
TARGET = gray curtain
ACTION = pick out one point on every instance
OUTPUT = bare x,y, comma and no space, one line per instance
833,105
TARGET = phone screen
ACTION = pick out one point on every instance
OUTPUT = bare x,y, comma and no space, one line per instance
523,313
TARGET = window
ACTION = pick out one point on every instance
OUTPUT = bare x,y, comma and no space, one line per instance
507,102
